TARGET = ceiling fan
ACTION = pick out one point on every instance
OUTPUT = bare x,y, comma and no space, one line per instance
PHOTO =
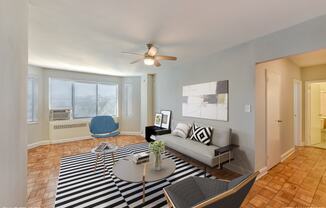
151,57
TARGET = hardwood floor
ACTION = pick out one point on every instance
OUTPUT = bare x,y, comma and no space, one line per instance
44,165
300,181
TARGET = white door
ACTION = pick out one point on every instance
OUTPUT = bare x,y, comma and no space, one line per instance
315,122
273,101
297,109
323,103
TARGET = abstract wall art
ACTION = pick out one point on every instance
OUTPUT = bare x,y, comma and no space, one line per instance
206,100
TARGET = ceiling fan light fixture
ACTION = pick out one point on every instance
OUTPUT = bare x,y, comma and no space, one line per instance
151,56
149,61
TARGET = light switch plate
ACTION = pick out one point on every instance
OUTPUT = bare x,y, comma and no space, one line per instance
248,108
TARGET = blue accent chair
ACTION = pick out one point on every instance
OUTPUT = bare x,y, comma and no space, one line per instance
103,127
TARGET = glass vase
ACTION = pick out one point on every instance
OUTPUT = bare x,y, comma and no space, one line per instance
157,161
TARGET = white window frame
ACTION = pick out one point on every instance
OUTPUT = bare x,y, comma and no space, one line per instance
86,82
74,98
117,93
35,97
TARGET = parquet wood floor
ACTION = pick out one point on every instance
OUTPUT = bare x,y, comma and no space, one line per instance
44,165
300,181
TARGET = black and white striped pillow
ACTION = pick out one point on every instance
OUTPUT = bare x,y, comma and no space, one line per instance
181,130
201,134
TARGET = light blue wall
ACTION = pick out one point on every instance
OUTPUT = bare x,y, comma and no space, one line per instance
238,66
232,65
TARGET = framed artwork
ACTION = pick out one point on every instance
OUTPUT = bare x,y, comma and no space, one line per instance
206,100
158,120
166,119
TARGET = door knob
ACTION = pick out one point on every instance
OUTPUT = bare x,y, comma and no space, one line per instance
279,121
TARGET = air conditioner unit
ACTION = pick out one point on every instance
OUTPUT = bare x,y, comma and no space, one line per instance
60,114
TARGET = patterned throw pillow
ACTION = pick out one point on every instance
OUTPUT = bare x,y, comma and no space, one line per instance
181,130
201,134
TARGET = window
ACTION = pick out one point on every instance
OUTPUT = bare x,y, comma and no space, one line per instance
128,99
60,94
32,100
84,98
107,99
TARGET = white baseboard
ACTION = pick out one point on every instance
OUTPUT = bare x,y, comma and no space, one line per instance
262,172
37,144
57,141
287,154
301,144
131,133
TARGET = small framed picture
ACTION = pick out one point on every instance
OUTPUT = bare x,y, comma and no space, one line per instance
158,119
166,119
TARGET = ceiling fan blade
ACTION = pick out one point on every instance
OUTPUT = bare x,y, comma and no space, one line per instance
172,58
138,60
157,63
132,53
152,51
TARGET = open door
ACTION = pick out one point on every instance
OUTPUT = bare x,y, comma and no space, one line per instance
297,112
273,102
315,122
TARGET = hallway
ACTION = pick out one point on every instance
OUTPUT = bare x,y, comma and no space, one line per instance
300,181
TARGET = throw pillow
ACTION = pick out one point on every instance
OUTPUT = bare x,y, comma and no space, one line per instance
202,134
181,130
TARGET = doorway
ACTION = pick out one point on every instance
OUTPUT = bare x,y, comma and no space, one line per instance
281,121
316,114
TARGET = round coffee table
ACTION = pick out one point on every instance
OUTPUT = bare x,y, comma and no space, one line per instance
127,170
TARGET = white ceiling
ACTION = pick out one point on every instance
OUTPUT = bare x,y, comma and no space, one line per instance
88,35
310,58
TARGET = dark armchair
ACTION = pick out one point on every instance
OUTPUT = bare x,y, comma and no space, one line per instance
204,192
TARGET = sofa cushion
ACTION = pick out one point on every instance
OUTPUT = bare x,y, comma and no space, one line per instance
181,130
196,150
221,134
201,134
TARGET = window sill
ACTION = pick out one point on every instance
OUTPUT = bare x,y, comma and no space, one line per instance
77,120
33,123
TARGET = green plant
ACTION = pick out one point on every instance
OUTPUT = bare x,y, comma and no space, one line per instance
157,147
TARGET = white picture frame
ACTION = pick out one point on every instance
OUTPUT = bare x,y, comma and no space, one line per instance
166,119
158,119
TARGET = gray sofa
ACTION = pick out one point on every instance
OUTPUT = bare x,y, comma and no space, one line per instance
198,151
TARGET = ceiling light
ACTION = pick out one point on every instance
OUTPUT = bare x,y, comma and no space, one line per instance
149,61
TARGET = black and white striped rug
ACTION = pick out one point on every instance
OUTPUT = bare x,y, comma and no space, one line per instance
80,186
